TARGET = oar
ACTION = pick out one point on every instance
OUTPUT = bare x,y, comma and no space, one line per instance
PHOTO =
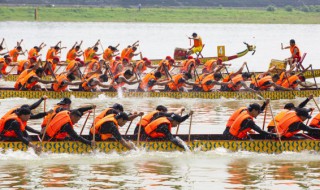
275,124
5,41
179,123
254,76
316,104
314,77
85,122
139,131
309,118
128,127
45,129
264,119
189,136
94,128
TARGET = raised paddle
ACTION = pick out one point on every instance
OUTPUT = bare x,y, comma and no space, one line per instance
85,122
314,77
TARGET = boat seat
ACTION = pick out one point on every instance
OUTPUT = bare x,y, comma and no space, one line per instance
299,65
200,52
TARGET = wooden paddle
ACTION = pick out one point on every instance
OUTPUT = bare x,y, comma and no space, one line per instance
189,136
94,128
254,76
85,122
45,129
316,103
139,131
265,116
128,127
275,124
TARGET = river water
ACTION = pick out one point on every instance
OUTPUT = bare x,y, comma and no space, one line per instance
218,169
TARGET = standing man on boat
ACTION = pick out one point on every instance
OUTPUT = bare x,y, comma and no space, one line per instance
294,50
197,44
14,127
292,123
160,128
108,127
244,123
61,127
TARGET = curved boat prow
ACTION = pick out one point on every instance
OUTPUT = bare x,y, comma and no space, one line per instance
242,53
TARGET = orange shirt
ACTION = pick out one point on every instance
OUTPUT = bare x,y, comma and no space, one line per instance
14,54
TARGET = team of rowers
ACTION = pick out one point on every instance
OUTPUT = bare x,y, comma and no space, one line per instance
58,123
120,69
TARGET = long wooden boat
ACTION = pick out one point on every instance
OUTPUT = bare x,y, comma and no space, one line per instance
197,143
273,95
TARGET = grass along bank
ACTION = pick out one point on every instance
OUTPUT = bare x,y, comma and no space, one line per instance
165,15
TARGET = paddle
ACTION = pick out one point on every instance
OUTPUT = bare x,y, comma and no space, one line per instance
275,124
45,129
314,77
254,76
179,123
316,104
265,116
85,122
94,127
189,136
5,41
139,131
128,127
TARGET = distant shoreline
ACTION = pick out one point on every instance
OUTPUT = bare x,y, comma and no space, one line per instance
160,15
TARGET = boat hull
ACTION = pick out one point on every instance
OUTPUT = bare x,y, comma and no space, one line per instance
273,95
259,146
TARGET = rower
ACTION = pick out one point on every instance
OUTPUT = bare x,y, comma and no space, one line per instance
211,64
236,114
2,48
125,52
93,65
34,52
117,65
292,123
294,50
267,82
60,127
4,62
288,107
150,80
160,128
208,82
63,81
315,123
25,64
93,82
239,81
179,81
15,52
51,65
230,76
294,80
161,111
14,127
74,52
142,65
115,109
130,53
197,44
108,127
244,123
29,82
108,53
53,51
121,79
189,64
166,65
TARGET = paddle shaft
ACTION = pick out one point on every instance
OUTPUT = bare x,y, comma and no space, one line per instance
139,131
275,124
264,119
179,123
314,77
45,129
85,122
316,103
189,136
128,127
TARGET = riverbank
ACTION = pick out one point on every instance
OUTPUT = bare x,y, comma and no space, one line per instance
159,15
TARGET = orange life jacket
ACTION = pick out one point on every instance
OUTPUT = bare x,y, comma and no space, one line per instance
87,86
115,78
292,82
93,63
138,63
107,54
24,81
315,122
22,75
207,87
97,126
51,53
147,119
86,54
53,66
209,64
3,69
123,52
235,115
53,128
235,83
21,65
71,65
11,133
144,83
188,63
197,42
32,52
71,55
278,118
283,127
11,111
58,87
298,54
175,85
49,116
102,115
14,54
262,81
236,126
114,67
150,129
227,78
129,54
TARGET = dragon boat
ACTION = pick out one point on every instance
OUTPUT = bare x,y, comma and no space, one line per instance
196,143
273,95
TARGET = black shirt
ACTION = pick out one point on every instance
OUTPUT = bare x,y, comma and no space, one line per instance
164,128
68,129
110,128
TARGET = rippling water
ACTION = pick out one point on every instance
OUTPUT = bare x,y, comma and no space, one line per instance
218,169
